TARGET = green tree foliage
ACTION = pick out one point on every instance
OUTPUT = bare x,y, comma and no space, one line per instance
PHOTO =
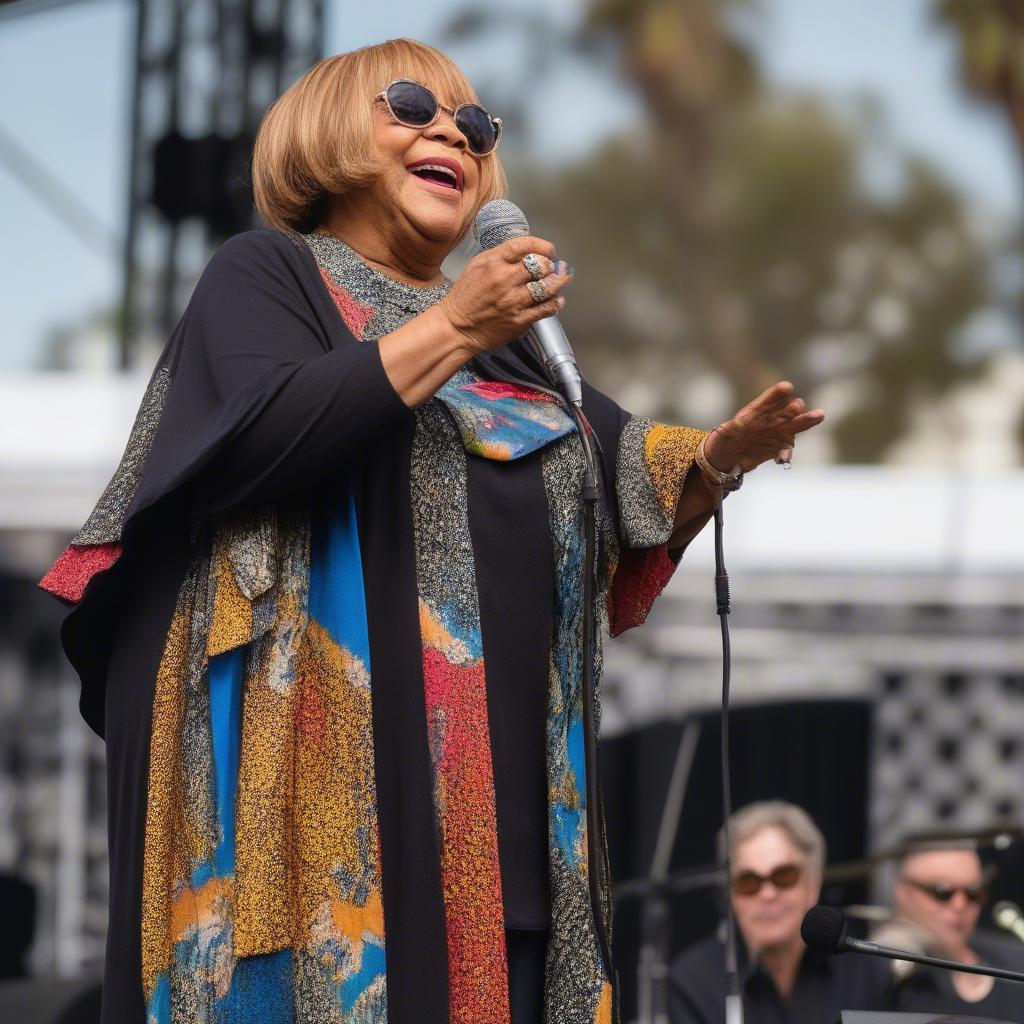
730,234
990,38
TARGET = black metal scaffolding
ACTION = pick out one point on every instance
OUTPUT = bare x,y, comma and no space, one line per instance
205,73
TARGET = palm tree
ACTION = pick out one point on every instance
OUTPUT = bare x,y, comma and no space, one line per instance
693,72
991,36
737,242
991,40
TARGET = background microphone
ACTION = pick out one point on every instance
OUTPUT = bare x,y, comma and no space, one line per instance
825,929
1008,915
497,222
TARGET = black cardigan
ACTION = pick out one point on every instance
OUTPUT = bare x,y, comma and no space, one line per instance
268,393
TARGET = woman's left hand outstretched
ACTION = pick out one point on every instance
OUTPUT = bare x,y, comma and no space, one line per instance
764,429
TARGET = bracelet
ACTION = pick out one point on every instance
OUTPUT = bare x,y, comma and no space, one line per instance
715,477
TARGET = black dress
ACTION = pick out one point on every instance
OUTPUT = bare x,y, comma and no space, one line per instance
267,396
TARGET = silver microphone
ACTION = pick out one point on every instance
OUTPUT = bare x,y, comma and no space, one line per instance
497,222
1009,917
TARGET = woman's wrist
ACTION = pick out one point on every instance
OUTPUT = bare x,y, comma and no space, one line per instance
717,480
457,334
714,454
451,340
421,355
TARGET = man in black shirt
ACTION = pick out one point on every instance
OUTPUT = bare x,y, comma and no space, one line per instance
941,893
778,855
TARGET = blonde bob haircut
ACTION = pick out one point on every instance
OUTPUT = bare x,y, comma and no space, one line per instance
317,139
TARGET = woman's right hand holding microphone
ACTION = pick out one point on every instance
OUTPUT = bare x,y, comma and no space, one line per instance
493,301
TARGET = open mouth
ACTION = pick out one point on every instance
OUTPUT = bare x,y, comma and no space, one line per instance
437,174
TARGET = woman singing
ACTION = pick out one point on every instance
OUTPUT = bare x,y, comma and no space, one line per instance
327,612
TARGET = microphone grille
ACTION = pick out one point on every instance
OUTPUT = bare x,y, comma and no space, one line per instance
498,221
824,928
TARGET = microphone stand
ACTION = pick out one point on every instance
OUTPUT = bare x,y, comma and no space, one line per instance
733,996
889,953
597,879
655,914
655,890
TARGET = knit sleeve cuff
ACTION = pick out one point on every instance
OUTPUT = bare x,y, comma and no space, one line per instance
652,465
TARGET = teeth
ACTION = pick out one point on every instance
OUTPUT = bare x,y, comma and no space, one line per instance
438,167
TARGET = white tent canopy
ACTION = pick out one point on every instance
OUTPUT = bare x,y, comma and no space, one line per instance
62,435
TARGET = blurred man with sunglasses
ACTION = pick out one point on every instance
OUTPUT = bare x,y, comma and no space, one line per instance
778,855
941,892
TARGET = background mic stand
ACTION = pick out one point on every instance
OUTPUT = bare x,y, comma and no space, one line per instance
597,876
733,997
655,913
656,891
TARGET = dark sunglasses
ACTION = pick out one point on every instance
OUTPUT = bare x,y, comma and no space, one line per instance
942,893
415,106
748,883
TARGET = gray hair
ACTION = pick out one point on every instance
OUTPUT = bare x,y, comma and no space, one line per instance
793,820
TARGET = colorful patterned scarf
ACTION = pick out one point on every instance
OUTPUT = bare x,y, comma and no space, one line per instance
262,894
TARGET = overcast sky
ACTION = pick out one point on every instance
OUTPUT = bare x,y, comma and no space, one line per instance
65,79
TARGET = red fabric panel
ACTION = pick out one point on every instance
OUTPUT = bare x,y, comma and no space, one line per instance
70,574
640,576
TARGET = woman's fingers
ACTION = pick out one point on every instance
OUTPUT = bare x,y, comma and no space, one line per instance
516,248
764,429
550,307
799,424
553,283
545,267
771,399
534,267
541,293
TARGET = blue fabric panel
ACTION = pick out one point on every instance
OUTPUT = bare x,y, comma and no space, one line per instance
226,676
261,991
373,966
159,1009
336,598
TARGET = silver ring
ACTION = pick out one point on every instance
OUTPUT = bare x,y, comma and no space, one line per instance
539,291
532,263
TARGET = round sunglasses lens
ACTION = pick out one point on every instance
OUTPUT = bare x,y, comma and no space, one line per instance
475,123
746,884
411,103
786,877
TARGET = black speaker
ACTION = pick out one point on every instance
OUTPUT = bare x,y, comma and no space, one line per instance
811,753
18,898
206,178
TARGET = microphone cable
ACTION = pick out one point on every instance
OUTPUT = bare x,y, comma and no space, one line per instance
733,997
597,880
595,840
